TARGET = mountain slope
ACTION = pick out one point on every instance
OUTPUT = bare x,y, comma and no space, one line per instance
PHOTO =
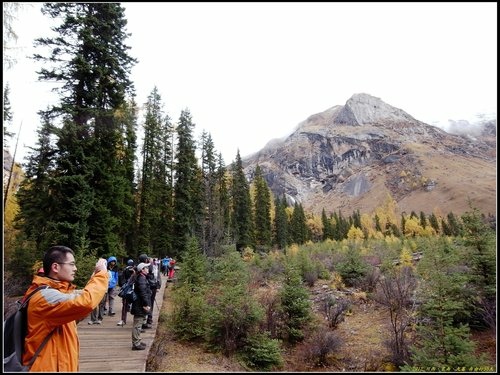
354,156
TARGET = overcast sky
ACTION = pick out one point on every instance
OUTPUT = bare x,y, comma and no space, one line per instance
250,72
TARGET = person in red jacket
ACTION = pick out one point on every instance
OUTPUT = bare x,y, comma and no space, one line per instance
171,269
60,307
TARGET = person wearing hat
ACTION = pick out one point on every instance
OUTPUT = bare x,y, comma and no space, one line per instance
141,306
154,280
125,276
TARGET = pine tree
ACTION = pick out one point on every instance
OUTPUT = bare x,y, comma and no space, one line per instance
327,226
33,196
128,159
378,227
441,344
446,228
91,192
155,205
342,226
299,232
213,222
356,219
187,191
454,224
188,304
262,212
232,313
242,207
295,307
280,223
480,242
433,221
225,200
423,220
403,223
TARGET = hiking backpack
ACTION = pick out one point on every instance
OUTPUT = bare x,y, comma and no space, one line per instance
15,329
127,291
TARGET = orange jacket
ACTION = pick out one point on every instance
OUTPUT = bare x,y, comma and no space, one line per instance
59,306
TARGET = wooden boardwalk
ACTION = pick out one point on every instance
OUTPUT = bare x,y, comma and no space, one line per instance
108,347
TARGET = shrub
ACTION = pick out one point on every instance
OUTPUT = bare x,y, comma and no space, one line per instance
232,313
352,269
295,306
335,310
319,347
262,353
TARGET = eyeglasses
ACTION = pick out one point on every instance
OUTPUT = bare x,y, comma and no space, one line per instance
72,264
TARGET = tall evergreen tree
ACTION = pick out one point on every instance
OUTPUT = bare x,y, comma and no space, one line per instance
423,219
242,207
299,231
403,223
213,223
154,212
441,343
280,223
327,226
187,191
480,242
34,196
356,219
90,61
225,200
342,226
454,224
446,228
262,216
128,159
433,221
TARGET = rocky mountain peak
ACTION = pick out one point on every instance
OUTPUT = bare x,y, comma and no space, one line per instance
363,109
354,156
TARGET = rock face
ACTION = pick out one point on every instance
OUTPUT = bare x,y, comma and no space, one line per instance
359,155
362,109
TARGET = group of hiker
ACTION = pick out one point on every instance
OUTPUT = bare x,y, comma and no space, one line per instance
146,280
53,313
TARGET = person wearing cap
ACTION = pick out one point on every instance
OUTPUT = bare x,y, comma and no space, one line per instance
154,280
126,274
141,306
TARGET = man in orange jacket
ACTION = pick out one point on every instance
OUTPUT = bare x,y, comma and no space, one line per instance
60,307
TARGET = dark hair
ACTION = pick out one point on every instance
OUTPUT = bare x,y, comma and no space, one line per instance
56,254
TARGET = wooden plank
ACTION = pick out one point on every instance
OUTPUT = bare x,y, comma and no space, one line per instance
108,347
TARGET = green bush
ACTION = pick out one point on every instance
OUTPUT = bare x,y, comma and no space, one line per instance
231,311
352,269
262,353
295,306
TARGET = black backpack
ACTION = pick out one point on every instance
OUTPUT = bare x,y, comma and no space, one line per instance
127,291
15,329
